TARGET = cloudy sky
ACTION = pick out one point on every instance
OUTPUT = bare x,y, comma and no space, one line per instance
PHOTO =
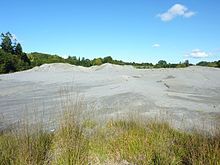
130,30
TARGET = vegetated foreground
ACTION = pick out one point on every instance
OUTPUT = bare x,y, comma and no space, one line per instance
124,141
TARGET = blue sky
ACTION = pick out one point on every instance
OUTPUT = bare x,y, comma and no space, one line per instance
130,30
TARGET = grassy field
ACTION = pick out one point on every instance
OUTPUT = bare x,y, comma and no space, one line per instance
129,141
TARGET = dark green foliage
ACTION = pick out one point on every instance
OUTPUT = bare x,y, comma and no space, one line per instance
18,49
72,60
25,58
38,59
202,63
218,63
186,62
7,62
12,58
209,64
6,44
162,63
107,59
82,62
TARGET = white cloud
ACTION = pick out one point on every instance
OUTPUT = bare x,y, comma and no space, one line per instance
197,53
189,14
174,11
156,45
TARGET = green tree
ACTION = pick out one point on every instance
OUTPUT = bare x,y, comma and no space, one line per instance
72,60
218,63
12,58
186,62
8,62
107,59
87,63
162,63
97,61
25,58
6,44
18,49
202,63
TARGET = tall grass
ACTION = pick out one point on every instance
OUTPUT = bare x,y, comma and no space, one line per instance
157,143
24,145
118,141
70,146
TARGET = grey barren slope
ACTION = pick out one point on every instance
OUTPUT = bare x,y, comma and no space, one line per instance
189,94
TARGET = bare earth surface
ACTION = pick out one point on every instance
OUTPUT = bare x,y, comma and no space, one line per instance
187,97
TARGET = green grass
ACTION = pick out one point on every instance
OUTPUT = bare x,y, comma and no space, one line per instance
130,140
24,147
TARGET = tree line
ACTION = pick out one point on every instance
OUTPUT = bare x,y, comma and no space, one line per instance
209,64
12,59
38,59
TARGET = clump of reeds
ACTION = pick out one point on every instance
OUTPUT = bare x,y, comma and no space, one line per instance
132,140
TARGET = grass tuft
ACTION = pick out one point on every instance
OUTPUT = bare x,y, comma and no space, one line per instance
129,141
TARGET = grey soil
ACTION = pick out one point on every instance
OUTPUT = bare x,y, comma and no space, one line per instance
187,97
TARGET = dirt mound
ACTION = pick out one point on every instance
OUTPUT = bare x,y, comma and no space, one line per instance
112,67
56,67
60,67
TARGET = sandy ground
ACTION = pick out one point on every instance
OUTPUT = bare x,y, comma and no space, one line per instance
187,97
